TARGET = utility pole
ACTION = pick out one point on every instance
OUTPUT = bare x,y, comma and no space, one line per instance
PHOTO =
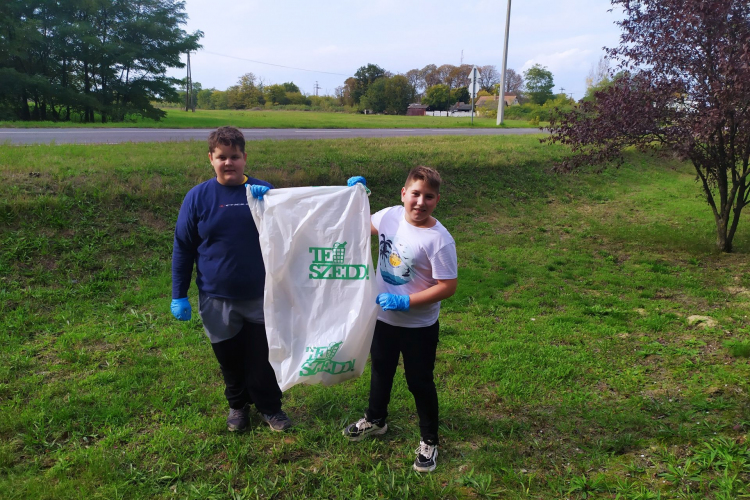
316,88
474,83
562,90
188,87
462,57
501,103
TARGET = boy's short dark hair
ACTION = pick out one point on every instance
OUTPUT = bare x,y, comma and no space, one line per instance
428,175
226,136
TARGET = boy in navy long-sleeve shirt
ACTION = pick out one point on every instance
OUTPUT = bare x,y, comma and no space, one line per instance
215,232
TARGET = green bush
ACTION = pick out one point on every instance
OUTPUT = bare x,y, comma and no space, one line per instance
487,111
530,111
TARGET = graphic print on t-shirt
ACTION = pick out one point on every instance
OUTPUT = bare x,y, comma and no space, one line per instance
395,260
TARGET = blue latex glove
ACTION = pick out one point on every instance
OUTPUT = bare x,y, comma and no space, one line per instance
357,179
391,302
181,309
258,191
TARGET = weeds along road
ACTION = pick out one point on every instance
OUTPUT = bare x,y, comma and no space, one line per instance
120,135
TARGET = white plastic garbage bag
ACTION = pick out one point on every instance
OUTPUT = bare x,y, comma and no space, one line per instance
320,292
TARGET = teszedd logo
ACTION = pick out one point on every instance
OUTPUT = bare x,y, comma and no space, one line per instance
321,360
328,264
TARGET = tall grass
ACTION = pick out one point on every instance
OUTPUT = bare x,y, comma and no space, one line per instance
566,366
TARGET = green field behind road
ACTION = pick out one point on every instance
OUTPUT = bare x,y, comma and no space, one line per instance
566,367
284,119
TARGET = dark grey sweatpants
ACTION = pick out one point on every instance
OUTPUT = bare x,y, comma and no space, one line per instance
238,339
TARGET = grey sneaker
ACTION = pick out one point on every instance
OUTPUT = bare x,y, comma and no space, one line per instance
237,419
426,460
278,421
363,428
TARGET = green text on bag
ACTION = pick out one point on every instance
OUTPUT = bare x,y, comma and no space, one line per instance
321,360
328,264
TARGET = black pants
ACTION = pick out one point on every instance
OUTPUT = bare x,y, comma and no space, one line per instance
418,345
248,375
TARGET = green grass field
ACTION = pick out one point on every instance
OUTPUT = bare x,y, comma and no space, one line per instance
284,119
566,366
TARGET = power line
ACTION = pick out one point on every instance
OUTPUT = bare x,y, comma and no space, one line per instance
272,64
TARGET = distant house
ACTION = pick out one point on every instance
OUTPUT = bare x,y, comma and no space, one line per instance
417,109
486,100
459,107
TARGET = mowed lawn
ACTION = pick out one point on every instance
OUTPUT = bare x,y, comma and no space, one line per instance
567,365
177,118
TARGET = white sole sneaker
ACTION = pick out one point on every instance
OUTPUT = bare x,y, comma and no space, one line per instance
427,468
374,432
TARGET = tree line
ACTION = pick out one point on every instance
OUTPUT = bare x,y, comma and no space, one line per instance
252,92
439,87
88,60
377,90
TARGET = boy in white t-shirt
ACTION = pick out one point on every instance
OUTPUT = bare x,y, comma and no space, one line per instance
417,268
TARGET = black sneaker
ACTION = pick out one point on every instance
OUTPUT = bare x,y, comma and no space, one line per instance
426,460
363,428
279,421
237,419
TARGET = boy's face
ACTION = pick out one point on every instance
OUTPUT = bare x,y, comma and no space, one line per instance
229,164
419,202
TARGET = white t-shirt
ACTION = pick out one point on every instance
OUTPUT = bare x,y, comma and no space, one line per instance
412,259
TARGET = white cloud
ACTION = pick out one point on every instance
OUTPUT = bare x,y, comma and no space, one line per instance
561,61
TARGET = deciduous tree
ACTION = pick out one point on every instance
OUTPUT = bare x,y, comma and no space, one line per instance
447,74
219,100
374,99
275,94
416,79
459,75
364,77
391,95
203,98
460,94
297,98
438,97
430,75
399,93
488,77
598,74
684,89
291,87
245,94
539,84
513,82
346,92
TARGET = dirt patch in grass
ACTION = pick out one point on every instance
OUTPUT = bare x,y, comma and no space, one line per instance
152,220
739,291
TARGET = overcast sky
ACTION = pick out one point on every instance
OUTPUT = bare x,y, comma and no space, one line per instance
325,42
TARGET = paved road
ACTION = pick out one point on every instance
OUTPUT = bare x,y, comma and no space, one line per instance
118,135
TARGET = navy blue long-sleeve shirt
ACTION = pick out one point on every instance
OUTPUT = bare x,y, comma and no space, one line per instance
216,232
